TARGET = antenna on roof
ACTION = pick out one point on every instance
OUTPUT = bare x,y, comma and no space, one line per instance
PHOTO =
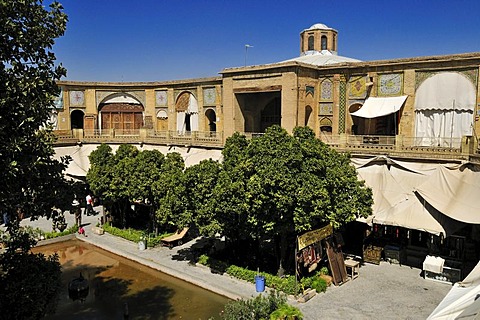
246,50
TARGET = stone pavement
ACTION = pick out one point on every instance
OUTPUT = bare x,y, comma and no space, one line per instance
386,291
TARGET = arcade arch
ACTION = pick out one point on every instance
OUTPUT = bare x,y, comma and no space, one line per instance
121,112
309,119
211,124
259,110
76,119
186,108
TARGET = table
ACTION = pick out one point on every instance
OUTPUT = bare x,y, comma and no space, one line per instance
354,267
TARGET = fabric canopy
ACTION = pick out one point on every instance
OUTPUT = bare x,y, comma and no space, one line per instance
444,106
386,192
455,193
375,107
461,301
393,185
446,91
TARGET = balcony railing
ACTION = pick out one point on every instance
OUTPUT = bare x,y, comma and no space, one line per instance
447,147
400,145
194,138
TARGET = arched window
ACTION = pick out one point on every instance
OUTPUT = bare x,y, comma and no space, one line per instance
76,119
187,112
334,46
310,43
308,116
212,120
324,43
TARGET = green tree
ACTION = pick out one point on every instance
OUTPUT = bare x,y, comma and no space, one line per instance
230,201
169,192
30,176
286,185
100,173
200,181
122,189
147,169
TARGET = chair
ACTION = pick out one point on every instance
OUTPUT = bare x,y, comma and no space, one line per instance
177,238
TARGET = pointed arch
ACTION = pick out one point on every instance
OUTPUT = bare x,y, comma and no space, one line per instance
76,119
186,108
121,111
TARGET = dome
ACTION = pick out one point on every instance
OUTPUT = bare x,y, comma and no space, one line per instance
320,26
322,58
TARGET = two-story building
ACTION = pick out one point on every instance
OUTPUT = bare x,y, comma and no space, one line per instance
410,124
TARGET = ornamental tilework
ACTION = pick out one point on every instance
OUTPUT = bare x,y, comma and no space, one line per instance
471,74
161,98
179,92
326,90
58,102
77,98
357,87
209,96
325,121
325,109
390,84
342,107
309,90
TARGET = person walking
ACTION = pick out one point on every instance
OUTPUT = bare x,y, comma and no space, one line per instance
77,211
89,201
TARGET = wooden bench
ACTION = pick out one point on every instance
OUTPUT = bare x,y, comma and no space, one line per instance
177,238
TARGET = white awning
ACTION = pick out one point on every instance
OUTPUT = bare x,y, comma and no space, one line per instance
375,107
454,193
446,91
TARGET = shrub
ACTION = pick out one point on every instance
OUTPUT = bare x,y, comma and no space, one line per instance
286,312
319,284
259,307
54,234
134,235
285,284
324,271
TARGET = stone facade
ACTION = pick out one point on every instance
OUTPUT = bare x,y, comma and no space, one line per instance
291,93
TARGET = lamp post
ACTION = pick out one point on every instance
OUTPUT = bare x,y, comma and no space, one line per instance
246,50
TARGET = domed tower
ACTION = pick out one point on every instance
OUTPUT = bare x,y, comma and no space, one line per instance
318,39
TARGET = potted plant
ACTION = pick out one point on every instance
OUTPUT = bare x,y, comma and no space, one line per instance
98,229
325,275
142,243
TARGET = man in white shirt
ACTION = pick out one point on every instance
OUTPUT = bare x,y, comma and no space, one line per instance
89,209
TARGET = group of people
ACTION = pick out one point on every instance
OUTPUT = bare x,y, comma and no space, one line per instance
78,210
8,217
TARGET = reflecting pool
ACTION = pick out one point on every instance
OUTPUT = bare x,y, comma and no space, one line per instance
118,287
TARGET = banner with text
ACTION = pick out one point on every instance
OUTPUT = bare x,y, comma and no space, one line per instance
314,236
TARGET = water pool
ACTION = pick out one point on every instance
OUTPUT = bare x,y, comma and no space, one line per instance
118,286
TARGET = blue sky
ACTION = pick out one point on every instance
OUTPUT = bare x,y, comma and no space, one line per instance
157,40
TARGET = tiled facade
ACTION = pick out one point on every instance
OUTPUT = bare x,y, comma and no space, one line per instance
245,99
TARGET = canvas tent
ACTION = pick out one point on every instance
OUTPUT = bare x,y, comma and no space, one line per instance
462,301
398,202
454,192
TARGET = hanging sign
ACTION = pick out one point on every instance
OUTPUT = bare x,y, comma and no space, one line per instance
314,236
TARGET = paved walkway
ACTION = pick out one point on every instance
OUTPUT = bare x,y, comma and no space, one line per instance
380,292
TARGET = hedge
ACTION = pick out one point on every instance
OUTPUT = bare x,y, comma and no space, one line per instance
285,284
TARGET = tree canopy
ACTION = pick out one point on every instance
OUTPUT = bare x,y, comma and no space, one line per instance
30,176
271,188
279,185
32,180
